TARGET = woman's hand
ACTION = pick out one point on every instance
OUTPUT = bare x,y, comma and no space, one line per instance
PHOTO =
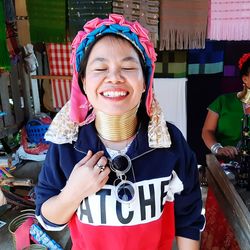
88,176
228,151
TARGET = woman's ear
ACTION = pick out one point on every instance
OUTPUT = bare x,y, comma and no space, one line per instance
245,79
84,84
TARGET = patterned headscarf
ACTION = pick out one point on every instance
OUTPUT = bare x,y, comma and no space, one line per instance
115,24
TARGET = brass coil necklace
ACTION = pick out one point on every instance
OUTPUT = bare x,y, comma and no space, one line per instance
116,127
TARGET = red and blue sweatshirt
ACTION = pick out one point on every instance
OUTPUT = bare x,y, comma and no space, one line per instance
167,204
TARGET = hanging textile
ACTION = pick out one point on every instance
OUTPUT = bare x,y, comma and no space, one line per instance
146,12
183,24
229,20
171,64
11,28
4,54
80,12
206,61
47,20
23,27
59,65
171,94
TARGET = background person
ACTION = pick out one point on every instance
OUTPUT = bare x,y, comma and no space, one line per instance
222,128
222,134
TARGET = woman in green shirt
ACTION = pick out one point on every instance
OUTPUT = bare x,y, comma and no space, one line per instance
221,131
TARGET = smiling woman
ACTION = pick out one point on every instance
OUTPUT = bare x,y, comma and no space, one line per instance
115,168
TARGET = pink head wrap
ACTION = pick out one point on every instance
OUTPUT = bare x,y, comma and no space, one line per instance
133,32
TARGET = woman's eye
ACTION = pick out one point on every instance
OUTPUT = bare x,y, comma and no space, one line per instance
128,68
100,69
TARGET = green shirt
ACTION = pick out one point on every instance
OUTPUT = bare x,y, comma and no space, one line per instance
230,111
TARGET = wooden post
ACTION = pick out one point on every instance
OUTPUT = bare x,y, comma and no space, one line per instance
25,83
5,99
15,89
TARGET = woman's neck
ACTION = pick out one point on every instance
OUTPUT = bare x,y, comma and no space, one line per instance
117,145
244,96
117,129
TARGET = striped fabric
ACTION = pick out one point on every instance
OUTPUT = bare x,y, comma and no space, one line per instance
146,12
59,65
171,64
206,61
47,20
183,24
229,20
79,12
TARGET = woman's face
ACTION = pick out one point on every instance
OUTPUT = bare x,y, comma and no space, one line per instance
114,80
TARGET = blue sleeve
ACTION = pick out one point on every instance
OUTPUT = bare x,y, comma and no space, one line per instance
189,221
51,180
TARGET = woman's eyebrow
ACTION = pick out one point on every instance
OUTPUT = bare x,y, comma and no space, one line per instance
125,59
98,59
130,58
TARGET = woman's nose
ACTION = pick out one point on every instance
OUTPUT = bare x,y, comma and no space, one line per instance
115,76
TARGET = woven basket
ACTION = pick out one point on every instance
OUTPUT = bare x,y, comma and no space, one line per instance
36,130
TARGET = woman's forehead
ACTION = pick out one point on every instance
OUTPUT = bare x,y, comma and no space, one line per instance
114,41
121,47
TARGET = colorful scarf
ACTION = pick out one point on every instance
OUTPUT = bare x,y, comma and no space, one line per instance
183,24
229,20
47,20
145,12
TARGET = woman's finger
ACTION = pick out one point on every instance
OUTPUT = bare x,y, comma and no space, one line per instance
84,159
94,159
101,164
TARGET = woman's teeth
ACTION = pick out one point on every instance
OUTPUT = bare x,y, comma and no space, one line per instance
114,93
